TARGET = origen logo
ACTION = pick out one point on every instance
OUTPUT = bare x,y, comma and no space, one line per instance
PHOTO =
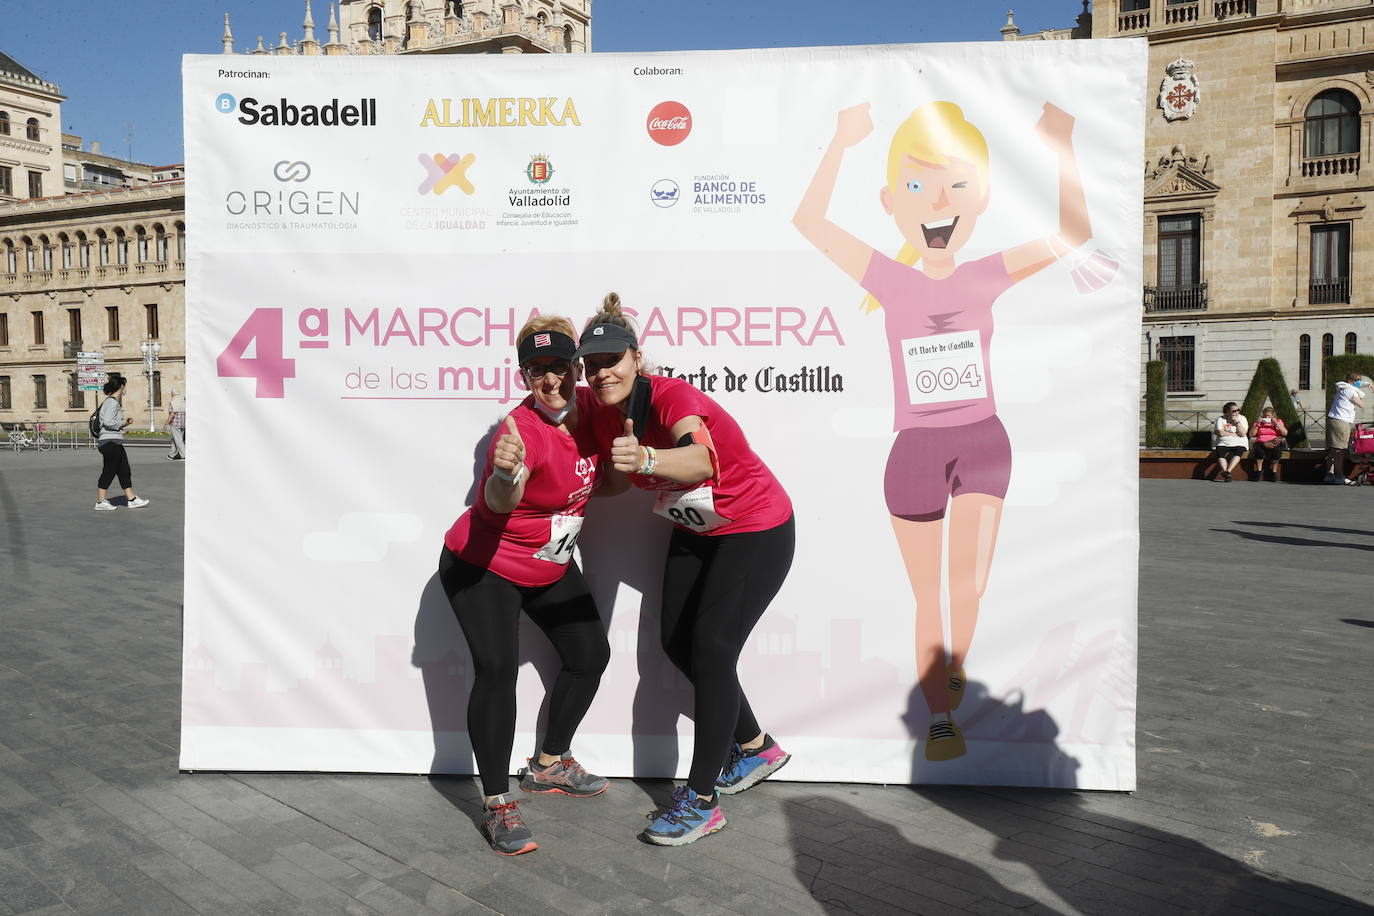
444,172
225,103
665,192
291,171
669,123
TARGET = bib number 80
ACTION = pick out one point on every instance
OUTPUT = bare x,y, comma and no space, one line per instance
687,517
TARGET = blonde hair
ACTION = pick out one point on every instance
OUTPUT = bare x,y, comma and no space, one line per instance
936,133
611,314
546,323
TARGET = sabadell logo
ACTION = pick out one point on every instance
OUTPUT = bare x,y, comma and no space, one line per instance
284,113
669,123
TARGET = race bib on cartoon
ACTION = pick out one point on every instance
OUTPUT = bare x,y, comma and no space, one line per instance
563,532
694,509
945,367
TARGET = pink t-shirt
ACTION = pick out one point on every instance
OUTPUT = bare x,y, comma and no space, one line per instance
938,333
1266,430
743,496
563,470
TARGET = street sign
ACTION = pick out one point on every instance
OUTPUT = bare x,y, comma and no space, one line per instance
90,370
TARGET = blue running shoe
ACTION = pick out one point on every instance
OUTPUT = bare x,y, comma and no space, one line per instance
687,820
749,768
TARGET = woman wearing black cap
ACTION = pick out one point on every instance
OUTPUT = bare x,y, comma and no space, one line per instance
732,545
512,551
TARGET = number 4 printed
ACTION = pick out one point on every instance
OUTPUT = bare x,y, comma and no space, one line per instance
263,331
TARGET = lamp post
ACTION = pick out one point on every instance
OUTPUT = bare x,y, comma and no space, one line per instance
150,349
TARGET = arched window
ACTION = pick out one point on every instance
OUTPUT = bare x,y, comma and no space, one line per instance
160,244
83,250
66,244
181,241
1305,362
121,248
374,24
31,129
567,38
1350,342
1328,349
11,258
1332,124
142,243
4,123
103,247
46,245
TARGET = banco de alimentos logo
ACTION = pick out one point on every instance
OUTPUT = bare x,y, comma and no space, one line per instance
446,171
286,113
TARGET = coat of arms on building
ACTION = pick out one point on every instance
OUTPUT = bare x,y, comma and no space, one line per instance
1179,92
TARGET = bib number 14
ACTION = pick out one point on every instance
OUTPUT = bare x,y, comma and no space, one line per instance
260,335
563,532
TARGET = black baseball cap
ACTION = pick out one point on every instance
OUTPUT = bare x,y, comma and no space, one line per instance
546,343
606,338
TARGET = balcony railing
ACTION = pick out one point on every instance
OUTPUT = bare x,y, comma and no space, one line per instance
1341,164
1328,292
1179,13
1229,9
1176,298
1133,20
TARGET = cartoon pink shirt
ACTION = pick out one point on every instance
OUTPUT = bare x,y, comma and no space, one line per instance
532,545
939,333
743,496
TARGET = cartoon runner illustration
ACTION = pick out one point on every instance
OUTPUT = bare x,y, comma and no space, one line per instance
951,451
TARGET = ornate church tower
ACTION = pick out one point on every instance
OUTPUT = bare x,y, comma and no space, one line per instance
440,27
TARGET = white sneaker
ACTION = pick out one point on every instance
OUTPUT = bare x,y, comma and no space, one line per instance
138,502
105,506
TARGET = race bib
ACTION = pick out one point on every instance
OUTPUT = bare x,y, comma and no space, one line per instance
694,509
945,367
563,532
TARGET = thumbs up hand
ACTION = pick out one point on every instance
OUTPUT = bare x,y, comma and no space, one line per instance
510,452
626,453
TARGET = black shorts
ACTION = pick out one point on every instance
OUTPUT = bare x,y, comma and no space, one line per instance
1267,451
1228,451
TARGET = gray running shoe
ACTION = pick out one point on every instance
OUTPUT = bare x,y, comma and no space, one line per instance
504,828
565,775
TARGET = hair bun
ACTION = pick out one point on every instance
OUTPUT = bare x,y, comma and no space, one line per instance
611,304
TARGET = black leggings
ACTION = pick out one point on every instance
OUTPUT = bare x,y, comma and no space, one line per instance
116,464
488,609
714,590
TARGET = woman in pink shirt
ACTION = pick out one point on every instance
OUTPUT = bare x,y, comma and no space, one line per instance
732,545
951,452
512,551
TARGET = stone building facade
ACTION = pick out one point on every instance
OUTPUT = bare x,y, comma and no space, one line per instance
1257,178
30,133
95,272
439,27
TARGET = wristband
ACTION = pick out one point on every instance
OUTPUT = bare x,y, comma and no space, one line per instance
508,479
650,460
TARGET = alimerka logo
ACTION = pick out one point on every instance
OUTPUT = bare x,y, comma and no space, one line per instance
508,112
284,113
444,172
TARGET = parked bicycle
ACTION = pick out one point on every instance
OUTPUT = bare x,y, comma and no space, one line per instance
20,438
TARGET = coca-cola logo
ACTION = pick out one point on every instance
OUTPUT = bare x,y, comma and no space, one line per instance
669,123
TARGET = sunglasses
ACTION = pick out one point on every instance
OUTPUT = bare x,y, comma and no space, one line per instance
559,367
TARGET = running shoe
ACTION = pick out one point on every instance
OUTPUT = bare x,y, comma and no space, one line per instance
687,819
105,506
944,741
565,775
955,685
504,828
138,502
746,768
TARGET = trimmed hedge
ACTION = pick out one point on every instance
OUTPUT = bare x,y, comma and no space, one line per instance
1155,434
1269,382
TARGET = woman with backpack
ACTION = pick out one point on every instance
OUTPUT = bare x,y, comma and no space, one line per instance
108,426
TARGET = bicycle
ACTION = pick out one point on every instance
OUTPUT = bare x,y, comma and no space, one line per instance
19,439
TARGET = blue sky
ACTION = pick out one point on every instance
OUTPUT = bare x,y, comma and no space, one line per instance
118,67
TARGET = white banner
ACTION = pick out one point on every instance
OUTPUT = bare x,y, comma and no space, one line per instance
367,234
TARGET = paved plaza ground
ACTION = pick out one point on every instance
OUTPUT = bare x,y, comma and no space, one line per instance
1254,731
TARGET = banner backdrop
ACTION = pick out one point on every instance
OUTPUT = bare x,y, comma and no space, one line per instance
367,234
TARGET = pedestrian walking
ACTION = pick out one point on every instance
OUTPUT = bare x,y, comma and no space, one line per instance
176,427
111,444
1339,420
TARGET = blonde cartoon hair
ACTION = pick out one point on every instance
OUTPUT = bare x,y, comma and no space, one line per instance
546,323
936,132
